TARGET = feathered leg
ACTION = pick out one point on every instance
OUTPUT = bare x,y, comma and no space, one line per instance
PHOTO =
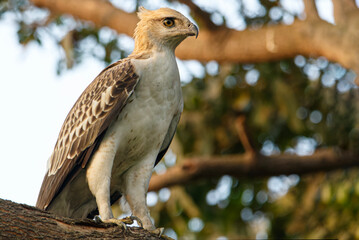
135,188
99,179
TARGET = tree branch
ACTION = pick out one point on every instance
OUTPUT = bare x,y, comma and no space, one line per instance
311,11
243,135
20,221
343,9
101,13
269,43
258,166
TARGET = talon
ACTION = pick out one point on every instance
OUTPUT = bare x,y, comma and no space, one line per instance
158,231
138,220
126,220
119,222
97,219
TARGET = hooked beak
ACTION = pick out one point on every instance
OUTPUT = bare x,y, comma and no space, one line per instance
193,30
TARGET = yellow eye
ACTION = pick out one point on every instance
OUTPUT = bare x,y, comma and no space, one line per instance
168,22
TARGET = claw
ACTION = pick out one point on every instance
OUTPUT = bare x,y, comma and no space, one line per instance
119,222
130,219
158,231
138,220
97,219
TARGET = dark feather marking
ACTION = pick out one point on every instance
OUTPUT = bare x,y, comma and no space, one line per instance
163,152
83,157
83,147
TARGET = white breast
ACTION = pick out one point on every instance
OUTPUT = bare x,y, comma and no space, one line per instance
143,123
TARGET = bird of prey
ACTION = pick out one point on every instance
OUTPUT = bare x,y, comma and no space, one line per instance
120,127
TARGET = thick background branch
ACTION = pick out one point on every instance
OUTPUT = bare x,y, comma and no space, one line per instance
342,10
20,221
250,166
313,37
101,13
311,10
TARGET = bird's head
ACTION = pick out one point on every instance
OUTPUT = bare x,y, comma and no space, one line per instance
162,28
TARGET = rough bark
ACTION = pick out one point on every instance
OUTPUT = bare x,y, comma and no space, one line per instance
20,221
311,37
252,166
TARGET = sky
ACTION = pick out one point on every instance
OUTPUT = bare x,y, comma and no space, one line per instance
34,102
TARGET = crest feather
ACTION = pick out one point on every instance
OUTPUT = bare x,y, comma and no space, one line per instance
141,11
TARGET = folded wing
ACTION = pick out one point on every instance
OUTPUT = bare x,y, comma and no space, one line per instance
85,126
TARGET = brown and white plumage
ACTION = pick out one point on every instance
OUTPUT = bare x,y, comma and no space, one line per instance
85,124
120,126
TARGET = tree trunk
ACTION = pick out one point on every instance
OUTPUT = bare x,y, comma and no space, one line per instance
20,221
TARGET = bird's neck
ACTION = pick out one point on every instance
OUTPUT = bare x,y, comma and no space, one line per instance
144,44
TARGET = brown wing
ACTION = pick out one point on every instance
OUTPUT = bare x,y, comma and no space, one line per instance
85,126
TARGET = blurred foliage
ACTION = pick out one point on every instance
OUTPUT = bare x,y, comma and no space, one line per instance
328,207
283,107
293,105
